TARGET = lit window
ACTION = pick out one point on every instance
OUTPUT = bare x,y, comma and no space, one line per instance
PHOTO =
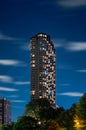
43,48
33,92
45,83
33,47
40,35
33,55
49,62
52,67
33,61
46,52
33,65
45,35
40,96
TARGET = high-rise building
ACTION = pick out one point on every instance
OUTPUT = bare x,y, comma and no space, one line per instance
5,111
43,68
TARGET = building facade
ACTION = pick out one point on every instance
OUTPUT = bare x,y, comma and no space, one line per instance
5,111
43,68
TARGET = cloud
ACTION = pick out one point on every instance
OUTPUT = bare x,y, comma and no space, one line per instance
8,38
62,43
58,45
8,89
8,79
70,46
76,46
82,71
4,78
25,47
18,101
13,96
58,42
71,94
22,83
64,84
8,62
72,3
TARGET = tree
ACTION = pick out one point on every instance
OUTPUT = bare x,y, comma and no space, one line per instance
52,125
32,109
47,113
78,123
65,120
81,111
81,107
42,110
8,126
26,123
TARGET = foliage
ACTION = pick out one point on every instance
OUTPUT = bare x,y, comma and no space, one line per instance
48,113
26,123
52,125
40,115
66,120
80,115
7,126
41,110
78,123
0,127
81,107
32,109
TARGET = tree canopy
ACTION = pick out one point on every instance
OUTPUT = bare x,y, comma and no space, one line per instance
52,125
26,123
80,114
37,107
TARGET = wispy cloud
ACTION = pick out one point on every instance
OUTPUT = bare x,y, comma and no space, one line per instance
8,89
58,45
65,84
26,46
5,78
18,101
58,42
82,71
13,96
71,94
76,46
8,62
70,45
71,3
8,38
22,83
9,79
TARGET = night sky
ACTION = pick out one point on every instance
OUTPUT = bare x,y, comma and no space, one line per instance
65,22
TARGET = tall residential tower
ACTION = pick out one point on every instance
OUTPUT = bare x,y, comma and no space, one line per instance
5,111
43,68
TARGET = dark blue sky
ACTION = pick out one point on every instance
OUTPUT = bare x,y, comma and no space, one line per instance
65,22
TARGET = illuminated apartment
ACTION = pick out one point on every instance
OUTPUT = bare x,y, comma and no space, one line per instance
43,68
5,111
